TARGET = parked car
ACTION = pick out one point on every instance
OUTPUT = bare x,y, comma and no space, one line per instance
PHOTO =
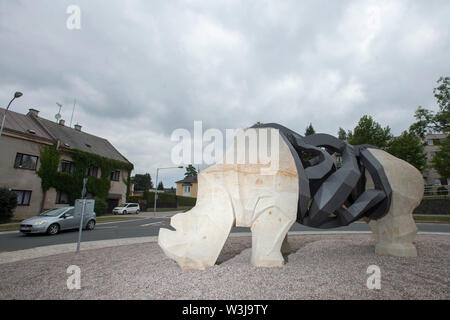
127,208
54,220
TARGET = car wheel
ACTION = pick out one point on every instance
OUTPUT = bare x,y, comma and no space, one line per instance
53,229
124,212
90,225
137,211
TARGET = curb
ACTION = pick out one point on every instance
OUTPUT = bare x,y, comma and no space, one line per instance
45,251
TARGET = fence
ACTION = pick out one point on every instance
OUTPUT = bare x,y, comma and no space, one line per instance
434,190
165,200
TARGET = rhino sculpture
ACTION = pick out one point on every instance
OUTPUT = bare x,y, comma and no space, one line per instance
307,186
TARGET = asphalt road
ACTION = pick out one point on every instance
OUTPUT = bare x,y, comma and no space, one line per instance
10,241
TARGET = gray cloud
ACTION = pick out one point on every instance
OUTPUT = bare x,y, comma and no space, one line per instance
140,69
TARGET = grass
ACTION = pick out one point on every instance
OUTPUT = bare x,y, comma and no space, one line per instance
182,209
435,219
436,197
109,219
10,227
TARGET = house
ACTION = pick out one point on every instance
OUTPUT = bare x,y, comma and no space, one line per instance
187,187
21,142
431,177
24,139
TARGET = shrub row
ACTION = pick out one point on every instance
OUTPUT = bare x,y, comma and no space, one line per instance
165,200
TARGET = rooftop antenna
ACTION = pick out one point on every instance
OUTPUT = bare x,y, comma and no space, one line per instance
73,110
58,115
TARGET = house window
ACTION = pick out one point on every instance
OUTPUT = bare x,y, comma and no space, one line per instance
448,181
92,172
62,197
25,161
115,175
432,154
67,167
186,190
437,182
425,181
23,197
430,142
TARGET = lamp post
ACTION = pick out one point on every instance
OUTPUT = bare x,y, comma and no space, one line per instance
156,189
16,95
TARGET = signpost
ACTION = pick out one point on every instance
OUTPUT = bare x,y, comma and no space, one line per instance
83,209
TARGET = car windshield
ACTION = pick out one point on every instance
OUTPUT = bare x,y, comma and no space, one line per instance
53,212
122,205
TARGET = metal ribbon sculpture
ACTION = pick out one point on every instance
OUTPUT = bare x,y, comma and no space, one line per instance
331,197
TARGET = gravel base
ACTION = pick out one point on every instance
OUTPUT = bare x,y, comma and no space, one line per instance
319,267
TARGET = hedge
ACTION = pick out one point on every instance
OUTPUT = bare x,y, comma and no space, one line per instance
434,206
8,202
165,200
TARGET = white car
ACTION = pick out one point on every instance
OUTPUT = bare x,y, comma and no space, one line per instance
127,208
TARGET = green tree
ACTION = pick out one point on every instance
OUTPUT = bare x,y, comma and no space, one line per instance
439,121
441,161
424,122
142,182
342,134
442,95
100,206
190,171
160,186
8,202
309,130
370,132
408,147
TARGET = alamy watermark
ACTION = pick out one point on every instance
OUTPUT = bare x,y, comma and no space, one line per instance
374,280
74,280
73,22
258,146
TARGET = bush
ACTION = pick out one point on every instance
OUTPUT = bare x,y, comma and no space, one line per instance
100,206
442,191
186,201
165,200
8,202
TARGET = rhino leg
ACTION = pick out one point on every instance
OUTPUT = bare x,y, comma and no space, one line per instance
200,233
394,233
269,231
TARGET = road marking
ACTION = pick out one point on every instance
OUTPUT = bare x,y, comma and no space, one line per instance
113,227
151,224
122,221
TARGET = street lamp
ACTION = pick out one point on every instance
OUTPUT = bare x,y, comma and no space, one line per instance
16,95
156,189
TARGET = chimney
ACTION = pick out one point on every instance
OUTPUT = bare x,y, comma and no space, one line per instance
77,127
33,112
62,122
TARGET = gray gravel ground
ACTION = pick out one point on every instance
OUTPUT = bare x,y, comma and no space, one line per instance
320,267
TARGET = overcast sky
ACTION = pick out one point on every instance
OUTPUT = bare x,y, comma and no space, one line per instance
141,69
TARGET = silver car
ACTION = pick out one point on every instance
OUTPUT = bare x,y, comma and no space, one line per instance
54,220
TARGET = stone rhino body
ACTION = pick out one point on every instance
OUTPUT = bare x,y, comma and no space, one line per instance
240,194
